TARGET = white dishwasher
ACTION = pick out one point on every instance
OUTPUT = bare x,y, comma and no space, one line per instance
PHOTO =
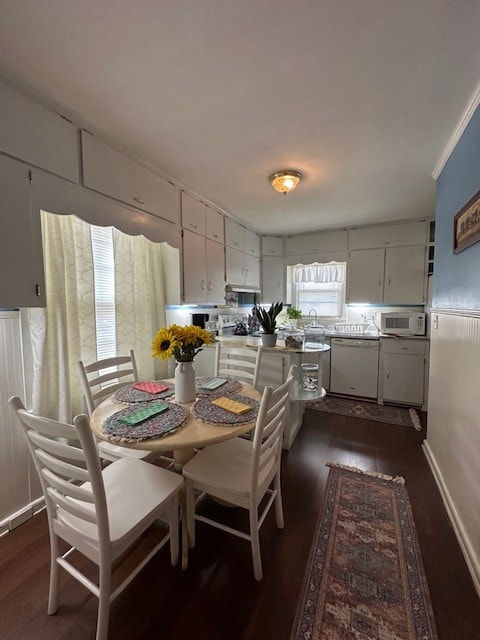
354,367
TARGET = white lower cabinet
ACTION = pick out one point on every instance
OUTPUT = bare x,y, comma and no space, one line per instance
273,279
203,269
21,255
403,371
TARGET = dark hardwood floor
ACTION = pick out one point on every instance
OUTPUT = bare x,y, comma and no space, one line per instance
218,598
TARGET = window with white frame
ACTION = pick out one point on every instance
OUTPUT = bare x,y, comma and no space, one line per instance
320,287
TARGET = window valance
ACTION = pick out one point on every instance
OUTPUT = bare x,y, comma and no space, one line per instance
316,272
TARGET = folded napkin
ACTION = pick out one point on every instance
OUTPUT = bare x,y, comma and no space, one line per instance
214,383
140,415
150,387
231,405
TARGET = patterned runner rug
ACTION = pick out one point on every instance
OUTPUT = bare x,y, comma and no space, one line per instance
368,410
365,579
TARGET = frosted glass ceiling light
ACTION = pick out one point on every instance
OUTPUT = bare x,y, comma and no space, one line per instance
285,181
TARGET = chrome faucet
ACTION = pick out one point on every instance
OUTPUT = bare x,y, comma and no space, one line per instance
315,313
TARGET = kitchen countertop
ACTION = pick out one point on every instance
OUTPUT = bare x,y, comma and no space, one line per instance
254,341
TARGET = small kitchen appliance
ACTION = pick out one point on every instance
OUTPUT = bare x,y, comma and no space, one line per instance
403,323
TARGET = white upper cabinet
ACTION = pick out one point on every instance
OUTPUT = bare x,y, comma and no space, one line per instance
252,243
21,256
234,235
273,279
214,225
193,214
407,233
404,275
31,132
203,269
115,174
272,246
365,273
394,275
327,241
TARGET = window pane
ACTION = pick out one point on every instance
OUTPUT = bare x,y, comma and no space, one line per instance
104,282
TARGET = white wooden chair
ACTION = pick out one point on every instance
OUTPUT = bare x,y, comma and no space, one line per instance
99,380
242,472
241,363
99,512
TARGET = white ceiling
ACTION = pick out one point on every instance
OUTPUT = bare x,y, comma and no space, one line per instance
360,96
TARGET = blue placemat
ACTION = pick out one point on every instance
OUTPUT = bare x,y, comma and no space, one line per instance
130,394
203,409
230,386
155,427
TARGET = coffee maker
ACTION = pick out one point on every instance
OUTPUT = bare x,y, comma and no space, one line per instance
199,319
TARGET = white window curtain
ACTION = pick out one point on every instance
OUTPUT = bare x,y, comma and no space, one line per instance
316,272
65,331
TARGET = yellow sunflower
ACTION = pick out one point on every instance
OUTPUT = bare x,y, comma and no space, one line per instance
165,342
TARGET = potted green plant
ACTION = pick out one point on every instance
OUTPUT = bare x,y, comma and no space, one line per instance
268,322
293,315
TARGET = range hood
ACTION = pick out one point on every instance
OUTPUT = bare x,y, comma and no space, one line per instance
242,288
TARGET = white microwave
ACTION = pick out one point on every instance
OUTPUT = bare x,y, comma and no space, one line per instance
403,323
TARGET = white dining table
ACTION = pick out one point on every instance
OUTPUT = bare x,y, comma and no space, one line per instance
183,442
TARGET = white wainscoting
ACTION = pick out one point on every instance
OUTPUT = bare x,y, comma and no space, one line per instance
19,486
452,446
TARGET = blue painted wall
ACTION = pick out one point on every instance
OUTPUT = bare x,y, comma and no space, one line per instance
457,277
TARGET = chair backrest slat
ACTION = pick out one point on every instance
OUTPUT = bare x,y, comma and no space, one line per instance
70,474
267,441
238,362
59,448
103,377
60,467
75,509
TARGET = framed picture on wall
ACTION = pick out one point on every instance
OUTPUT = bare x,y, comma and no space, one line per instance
466,225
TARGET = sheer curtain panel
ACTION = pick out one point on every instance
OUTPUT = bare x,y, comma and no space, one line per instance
67,331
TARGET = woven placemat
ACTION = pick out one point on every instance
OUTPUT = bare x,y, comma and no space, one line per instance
203,409
130,394
231,386
155,427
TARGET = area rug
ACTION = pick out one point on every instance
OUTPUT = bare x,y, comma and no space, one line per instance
365,578
402,416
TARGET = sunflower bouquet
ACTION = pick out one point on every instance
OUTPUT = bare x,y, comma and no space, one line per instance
183,343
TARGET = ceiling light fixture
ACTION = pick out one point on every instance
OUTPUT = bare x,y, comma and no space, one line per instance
285,181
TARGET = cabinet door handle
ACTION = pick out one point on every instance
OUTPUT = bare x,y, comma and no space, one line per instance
37,290
271,251
403,348
389,280
202,284
194,226
215,235
209,286
387,242
388,375
379,281
138,200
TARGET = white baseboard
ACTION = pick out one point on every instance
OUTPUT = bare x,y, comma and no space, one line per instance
472,561
16,519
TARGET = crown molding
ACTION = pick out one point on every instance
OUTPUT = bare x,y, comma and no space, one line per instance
457,132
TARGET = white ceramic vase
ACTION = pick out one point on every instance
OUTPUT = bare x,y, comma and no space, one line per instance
185,382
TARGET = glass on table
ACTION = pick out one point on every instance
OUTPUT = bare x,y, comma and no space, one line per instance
309,376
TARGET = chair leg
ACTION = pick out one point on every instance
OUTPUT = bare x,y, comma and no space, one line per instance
174,530
255,542
54,575
190,512
105,588
278,502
